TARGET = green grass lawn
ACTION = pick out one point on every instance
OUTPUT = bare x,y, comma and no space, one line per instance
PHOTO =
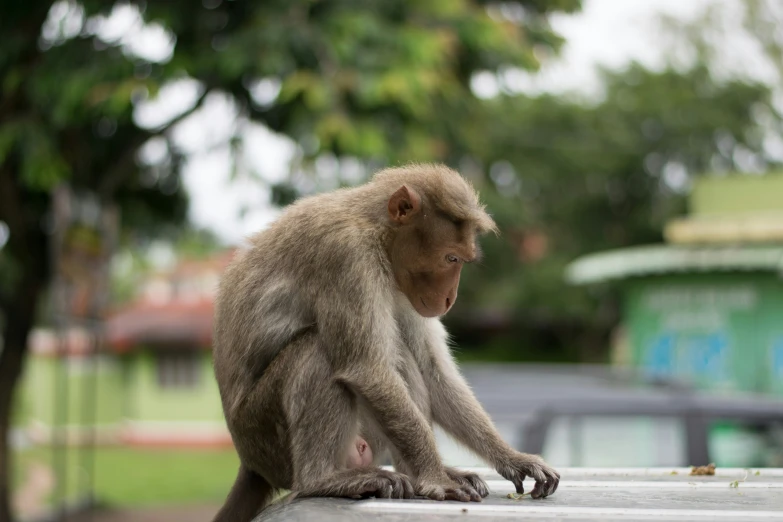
146,477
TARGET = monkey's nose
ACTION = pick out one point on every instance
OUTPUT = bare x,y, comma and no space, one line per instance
451,297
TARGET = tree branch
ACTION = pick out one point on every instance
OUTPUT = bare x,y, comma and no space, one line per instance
124,166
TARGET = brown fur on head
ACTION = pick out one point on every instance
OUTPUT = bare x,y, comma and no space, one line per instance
436,218
446,190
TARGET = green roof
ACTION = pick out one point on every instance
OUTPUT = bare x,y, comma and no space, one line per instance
663,259
737,195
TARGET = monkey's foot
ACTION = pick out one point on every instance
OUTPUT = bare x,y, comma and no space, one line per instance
362,483
468,480
447,489
521,465
380,483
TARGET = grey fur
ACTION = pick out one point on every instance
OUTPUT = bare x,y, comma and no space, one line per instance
315,344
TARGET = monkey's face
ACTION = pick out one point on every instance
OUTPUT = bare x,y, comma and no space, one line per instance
432,289
427,253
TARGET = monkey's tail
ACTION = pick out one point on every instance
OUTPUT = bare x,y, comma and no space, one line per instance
248,496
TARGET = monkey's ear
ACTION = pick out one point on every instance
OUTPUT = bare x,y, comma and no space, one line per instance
403,205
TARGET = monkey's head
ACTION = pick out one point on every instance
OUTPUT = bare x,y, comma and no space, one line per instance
436,220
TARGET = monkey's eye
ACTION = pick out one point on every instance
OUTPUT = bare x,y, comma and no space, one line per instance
452,258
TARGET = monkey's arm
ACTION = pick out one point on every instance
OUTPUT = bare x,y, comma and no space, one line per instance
358,336
456,409
398,417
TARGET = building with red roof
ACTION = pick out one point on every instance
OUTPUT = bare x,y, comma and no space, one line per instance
149,378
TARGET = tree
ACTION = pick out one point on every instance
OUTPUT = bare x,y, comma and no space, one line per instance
566,178
369,79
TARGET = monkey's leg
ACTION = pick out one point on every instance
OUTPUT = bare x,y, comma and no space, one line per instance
462,488
408,432
323,426
420,395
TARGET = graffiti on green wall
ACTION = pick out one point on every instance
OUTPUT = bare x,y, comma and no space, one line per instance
777,359
705,328
697,355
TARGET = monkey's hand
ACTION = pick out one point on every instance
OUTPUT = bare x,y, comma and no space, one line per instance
521,465
447,488
469,480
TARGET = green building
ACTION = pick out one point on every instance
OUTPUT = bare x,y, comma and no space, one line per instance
706,306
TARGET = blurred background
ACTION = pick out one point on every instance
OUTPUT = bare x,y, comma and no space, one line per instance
629,314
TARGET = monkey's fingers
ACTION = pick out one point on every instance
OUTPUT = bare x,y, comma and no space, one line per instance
401,487
474,495
519,484
431,492
553,480
547,481
535,469
478,484
408,491
385,491
539,489
380,486
458,494
390,484
469,480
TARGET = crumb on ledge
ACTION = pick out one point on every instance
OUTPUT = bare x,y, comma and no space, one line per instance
703,470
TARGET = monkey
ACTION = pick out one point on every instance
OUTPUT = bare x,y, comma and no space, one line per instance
331,357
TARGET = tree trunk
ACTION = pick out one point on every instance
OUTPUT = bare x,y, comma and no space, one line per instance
28,248
19,318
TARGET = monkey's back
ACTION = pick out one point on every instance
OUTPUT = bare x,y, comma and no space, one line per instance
267,293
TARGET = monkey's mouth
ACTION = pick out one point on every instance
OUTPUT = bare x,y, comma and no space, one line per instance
426,310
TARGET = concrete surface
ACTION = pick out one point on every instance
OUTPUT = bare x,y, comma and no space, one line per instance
633,494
